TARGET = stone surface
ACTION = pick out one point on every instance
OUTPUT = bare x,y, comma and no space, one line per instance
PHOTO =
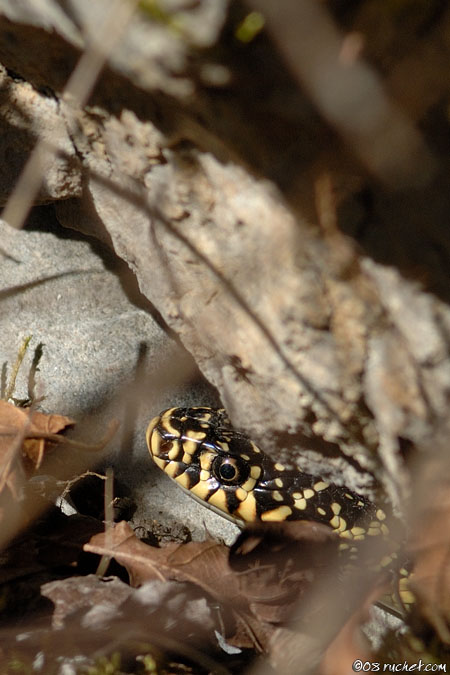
71,295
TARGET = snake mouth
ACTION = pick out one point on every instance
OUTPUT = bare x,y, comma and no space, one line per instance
231,517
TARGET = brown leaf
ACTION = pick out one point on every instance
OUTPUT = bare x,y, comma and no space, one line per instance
69,595
279,561
268,571
204,564
30,428
22,447
49,424
201,563
13,419
34,448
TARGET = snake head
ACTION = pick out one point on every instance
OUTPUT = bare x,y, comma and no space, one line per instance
225,470
199,449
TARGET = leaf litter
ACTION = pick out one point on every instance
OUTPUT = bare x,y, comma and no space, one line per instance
186,607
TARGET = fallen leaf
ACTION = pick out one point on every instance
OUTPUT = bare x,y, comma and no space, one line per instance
30,430
34,448
279,561
201,563
13,418
260,585
75,593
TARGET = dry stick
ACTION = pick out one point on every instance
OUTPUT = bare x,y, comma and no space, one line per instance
109,520
18,437
32,394
77,90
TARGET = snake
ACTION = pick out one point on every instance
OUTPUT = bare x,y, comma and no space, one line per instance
225,470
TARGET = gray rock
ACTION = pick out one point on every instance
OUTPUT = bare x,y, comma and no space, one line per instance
67,293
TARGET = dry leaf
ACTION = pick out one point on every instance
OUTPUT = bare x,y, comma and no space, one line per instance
74,593
13,419
259,585
34,448
31,429
23,439
202,563
279,561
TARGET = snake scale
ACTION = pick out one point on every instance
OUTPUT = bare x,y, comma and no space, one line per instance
226,471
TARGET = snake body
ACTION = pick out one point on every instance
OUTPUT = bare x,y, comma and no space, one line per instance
225,470
200,450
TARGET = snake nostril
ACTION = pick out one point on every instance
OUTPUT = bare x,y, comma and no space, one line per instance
166,446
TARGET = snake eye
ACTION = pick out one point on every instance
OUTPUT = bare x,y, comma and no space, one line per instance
230,470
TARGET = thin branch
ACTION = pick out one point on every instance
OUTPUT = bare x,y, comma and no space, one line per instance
77,91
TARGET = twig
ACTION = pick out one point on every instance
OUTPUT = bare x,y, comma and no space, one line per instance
109,520
77,90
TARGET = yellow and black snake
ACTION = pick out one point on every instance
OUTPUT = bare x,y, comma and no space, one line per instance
225,470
